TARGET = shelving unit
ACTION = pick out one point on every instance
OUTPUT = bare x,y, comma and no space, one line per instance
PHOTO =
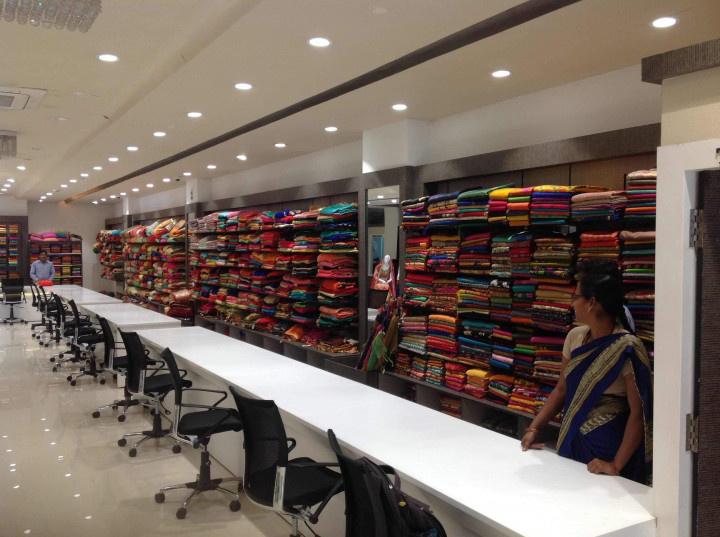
12,263
64,251
109,247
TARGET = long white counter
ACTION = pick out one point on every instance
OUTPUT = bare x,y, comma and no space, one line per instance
82,296
129,317
481,473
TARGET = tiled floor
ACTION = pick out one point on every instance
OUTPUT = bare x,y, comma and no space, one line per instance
62,473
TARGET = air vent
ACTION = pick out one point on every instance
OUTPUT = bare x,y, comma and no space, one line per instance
20,98
8,144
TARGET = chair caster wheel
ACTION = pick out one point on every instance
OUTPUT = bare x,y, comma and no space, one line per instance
54,370
176,448
121,418
122,442
52,359
102,381
96,414
73,382
152,411
234,506
61,355
132,452
180,513
160,497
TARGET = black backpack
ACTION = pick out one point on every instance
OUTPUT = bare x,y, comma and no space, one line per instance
405,516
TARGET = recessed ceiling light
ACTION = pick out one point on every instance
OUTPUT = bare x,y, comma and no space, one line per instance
150,185
3,189
136,189
166,179
664,22
97,168
73,180
501,73
241,157
123,193
280,145
63,185
113,159
103,199
43,197
159,134
331,129
399,107
243,86
84,175
211,167
132,148
10,180
320,42
113,196
380,197
60,118
393,201
95,202
187,174
109,58
21,168
48,193
7,185
194,114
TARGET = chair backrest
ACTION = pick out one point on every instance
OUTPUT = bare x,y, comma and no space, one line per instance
108,339
171,363
75,312
35,301
363,510
265,444
12,289
59,312
136,361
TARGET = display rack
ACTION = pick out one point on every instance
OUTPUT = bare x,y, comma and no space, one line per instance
11,259
109,247
64,251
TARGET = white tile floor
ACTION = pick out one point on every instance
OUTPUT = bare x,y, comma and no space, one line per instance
62,473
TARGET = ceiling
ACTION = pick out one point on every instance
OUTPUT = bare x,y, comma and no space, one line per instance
178,56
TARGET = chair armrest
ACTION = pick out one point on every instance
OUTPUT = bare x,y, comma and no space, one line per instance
216,403
299,464
339,486
292,443
208,407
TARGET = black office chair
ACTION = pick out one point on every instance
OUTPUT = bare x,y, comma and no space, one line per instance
49,305
85,338
290,487
69,327
40,304
153,386
13,294
114,363
197,428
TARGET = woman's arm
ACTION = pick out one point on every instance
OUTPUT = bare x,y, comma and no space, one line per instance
550,409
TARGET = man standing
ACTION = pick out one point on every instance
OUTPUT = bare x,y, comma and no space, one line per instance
42,269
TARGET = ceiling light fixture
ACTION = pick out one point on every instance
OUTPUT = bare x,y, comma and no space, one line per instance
3,189
393,201
399,107
159,134
194,115
95,202
150,185
103,199
43,197
664,22
113,159
136,189
132,148
60,118
280,145
63,185
97,168
123,193
211,167
501,73
380,197
108,58
331,129
113,196
84,175
48,193
166,179
7,185
10,180
187,174
243,86
241,157
21,168
319,42
73,180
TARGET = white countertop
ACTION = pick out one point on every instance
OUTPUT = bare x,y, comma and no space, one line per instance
83,296
129,317
483,473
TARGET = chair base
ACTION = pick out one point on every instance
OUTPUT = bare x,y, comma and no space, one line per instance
12,319
203,483
156,432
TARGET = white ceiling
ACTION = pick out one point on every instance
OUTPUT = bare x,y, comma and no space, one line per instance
178,56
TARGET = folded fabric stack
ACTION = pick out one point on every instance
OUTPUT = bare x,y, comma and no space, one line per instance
419,367
552,309
523,296
473,205
641,303
414,213
598,206
444,295
451,406
442,336
500,301
544,391
284,220
475,254
443,253
442,209
403,363
552,259
413,333
305,220
455,377
518,206
418,289
501,265
638,257
524,396
550,204
338,293
641,193
521,250
477,382
304,264
498,206
435,371
503,357
269,240
304,295
523,352
598,245
416,253
548,358
474,342
337,266
473,298
500,387
332,317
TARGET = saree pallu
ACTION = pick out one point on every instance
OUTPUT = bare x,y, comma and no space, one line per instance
593,425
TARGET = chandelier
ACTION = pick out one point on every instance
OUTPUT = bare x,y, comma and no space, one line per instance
59,14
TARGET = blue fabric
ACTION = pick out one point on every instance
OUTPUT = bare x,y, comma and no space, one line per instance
42,271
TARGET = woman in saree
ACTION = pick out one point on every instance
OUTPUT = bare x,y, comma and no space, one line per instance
605,387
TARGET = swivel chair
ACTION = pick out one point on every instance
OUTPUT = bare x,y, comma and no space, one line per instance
12,290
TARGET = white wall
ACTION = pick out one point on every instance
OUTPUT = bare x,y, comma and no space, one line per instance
691,107
84,220
158,201
10,206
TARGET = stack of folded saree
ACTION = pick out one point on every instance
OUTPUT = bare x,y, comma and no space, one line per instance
443,253
641,193
598,206
338,293
435,371
604,246
475,254
304,264
285,245
413,333
552,259
499,388
306,242
418,368
442,208
269,240
641,303
416,253
501,265
473,298
477,382
550,204
498,206
414,213
548,358
284,220
442,336
521,249
444,295
500,301
332,317
418,289
524,396
403,363
474,342
552,309
503,357
337,266
638,257
451,406
523,352
518,206
473,205
455,377
523,296
305,220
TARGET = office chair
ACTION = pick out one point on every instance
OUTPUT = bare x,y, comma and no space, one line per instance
197,428
49,305
290,487
12,290
153,386
34,323
69,327
84,340
117,365
41,306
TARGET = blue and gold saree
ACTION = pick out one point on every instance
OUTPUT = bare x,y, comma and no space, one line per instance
593,422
